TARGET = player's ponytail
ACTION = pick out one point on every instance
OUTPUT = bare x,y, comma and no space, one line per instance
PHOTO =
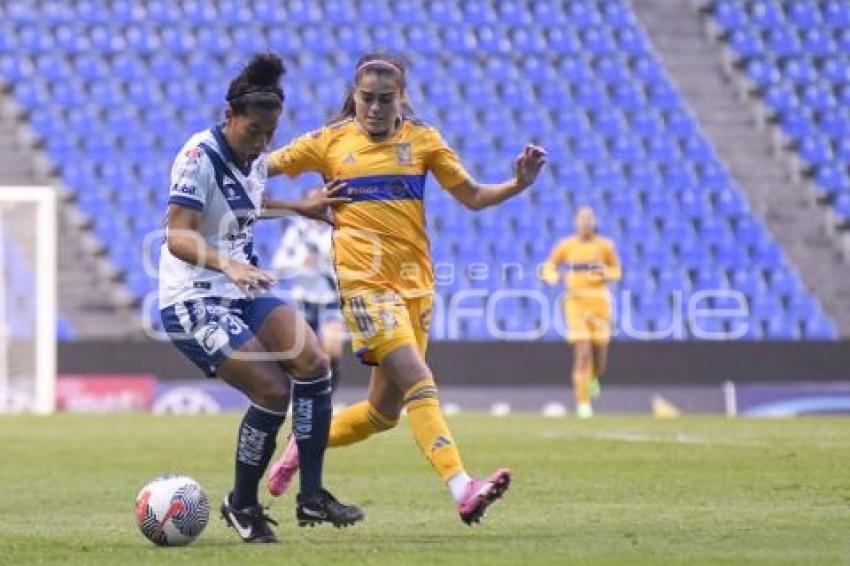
258,84
347,110
378,62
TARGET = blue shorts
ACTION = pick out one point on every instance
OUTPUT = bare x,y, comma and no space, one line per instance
208,330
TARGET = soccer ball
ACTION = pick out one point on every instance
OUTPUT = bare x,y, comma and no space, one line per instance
172,510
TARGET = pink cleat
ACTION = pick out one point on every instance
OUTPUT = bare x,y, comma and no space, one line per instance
480,494
282,471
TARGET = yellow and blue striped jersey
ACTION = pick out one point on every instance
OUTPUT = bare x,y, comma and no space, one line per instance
583,259
380,242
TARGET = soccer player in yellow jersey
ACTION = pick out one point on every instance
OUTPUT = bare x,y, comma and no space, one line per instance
383,262
590,263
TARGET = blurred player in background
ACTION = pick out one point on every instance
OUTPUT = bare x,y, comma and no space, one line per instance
382,258
304,261
589,264
217,312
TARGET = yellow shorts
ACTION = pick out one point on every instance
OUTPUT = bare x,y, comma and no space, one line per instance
588,318
384,321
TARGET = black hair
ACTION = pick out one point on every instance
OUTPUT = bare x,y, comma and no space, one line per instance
257,84
381,63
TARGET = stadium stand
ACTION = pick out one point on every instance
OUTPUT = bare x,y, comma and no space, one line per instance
114,93
796,55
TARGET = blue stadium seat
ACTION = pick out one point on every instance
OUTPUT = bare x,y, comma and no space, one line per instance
663,95
730,15
841,207
631,40
753,331
835,122
629,96
819,328
782,41
747,281
835,70
819,42
815,150
836,13
746,42
554,92
842,38
577,71
767,14
818,97
802,307
804,15
598,40
731,255
646,70
763,72
780,328
769,255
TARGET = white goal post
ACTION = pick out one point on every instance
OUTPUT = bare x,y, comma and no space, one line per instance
28,298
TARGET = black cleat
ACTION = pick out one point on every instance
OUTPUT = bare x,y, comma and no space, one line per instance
322,507
251,523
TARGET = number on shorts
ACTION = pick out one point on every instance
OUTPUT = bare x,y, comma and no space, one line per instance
364,322
237,325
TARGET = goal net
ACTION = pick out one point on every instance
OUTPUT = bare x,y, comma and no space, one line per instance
28,304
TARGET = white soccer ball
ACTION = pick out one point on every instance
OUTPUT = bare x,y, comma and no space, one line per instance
172,510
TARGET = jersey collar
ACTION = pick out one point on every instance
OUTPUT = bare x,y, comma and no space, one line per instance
226,151
393,138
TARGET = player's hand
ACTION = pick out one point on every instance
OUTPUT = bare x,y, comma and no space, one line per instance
549,274
320,203
529,163
247,277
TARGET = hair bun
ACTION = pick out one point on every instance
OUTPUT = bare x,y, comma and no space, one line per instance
264,69
261,75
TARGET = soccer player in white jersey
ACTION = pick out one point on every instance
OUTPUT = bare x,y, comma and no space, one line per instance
304,263
216,305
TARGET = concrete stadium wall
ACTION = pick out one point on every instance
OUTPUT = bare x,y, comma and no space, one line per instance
527,363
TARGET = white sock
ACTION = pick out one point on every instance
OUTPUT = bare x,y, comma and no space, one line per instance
457,485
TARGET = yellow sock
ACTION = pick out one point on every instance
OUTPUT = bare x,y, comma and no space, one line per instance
581,380
430,429
358,422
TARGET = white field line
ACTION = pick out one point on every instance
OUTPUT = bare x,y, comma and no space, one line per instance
644,437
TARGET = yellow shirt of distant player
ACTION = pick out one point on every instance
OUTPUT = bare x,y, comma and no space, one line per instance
582,262
587,266
381,241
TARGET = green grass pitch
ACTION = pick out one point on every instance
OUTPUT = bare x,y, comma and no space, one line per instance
614,490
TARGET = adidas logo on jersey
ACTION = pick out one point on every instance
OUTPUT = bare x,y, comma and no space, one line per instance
349,158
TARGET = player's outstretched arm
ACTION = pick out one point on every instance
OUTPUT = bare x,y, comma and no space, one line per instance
477,196
186,243
549,270
318,205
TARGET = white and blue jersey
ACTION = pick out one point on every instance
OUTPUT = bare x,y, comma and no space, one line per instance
205,314
205,177
304,260
304,263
